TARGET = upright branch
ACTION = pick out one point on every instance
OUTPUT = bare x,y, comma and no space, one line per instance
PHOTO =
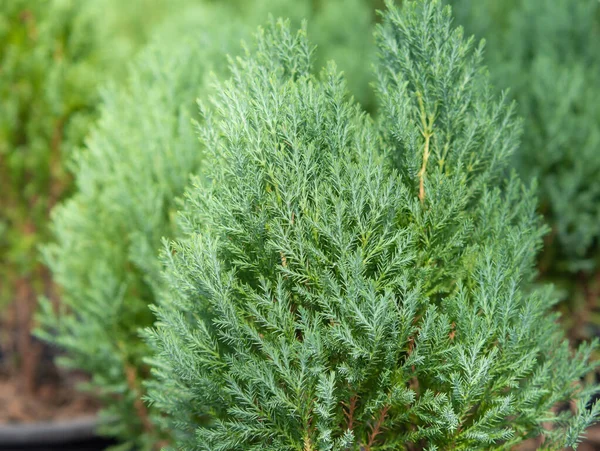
376,428
427,122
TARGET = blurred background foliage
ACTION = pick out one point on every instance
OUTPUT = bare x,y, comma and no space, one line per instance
546,55
136,162
53,56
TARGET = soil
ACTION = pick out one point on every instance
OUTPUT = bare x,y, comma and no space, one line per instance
52,400
32,388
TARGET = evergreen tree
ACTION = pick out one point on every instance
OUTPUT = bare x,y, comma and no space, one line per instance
136,162
346,284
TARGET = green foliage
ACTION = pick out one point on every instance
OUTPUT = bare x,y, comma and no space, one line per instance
53,55
134,165
338,27
544,51
136,162
322,298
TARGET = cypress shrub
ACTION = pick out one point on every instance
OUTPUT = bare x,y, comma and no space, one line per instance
345,283
135,163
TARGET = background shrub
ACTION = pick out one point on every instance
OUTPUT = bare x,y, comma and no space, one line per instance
53,56
54,53
136,162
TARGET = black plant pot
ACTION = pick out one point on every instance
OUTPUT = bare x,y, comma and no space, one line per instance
68,435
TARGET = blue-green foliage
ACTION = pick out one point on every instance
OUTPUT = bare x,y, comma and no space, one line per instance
135,164
350,284
341,30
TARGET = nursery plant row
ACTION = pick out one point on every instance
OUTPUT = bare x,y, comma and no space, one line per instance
305,225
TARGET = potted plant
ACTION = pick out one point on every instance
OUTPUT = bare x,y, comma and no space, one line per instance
53,56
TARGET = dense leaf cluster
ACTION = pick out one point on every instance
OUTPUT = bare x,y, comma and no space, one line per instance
349,283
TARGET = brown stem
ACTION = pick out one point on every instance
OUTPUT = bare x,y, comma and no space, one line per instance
57,184
307,444
376,428
27,349
283,259
427,137
427,132
309,430
140,407
50,288
349,410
